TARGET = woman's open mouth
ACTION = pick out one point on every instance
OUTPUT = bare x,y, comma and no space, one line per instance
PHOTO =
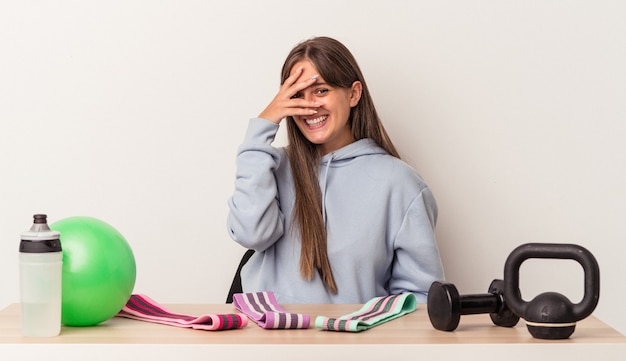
316,122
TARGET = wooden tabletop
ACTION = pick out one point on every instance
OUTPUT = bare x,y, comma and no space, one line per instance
409,332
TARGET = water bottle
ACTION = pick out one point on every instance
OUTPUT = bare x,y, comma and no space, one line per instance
40,263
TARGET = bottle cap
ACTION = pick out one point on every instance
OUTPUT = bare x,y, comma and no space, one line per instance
40,239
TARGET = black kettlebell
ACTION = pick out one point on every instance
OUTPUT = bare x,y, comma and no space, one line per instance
551,315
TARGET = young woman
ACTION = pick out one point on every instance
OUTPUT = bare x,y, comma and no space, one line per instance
336,216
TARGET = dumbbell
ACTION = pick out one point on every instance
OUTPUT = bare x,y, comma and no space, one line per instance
445,305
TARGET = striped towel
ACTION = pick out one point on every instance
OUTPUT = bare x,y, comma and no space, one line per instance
375,312
262,309
141,307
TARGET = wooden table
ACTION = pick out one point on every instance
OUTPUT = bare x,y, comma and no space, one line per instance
410,337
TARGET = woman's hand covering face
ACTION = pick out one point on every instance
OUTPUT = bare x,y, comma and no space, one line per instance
285,103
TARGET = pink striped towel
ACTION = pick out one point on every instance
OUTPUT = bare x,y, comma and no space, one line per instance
143,308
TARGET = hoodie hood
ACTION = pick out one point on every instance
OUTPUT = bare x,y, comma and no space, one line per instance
351,151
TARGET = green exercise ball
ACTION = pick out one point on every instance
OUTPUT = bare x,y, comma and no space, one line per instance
98,270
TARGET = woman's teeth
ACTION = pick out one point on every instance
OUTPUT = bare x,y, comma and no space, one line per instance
316,121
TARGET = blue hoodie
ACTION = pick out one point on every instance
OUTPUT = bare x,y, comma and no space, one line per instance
379,214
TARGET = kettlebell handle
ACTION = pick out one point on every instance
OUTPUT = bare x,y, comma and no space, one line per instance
552,251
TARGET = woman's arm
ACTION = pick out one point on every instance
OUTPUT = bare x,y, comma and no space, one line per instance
255,219
417,262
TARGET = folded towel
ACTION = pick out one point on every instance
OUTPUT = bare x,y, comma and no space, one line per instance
375,312
262,309
141,307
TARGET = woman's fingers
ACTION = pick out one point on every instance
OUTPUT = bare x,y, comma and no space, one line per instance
291,79
287,102
279,109
296,83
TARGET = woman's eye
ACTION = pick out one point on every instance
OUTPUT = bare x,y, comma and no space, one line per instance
321,91
297,95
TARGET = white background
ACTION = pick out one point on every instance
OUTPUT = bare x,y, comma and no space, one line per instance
132,111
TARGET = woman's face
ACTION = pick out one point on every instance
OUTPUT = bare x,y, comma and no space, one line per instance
329,128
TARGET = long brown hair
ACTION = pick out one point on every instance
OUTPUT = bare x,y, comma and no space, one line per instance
337,66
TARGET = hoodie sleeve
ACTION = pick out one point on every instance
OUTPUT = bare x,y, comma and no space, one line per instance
417,262
255,219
